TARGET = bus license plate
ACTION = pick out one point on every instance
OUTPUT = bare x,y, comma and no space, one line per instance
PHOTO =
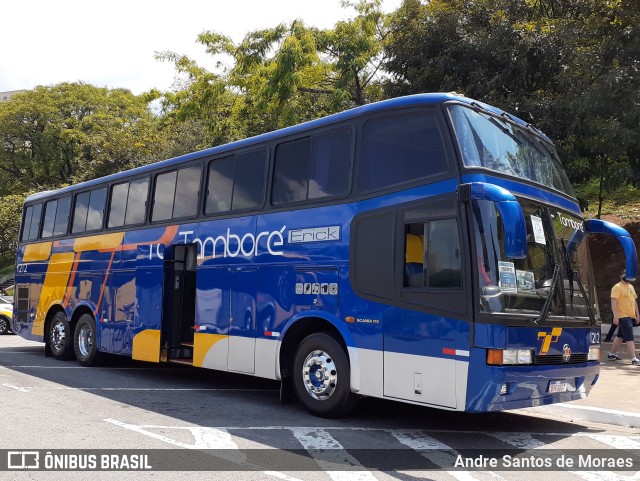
558,386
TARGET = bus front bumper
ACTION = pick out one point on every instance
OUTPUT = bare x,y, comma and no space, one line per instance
514,387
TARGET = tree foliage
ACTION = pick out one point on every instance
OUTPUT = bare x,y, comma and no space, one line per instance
571,68
71,132
10,210
280,76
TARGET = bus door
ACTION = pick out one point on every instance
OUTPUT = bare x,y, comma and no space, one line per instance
242,319
179,301
425,332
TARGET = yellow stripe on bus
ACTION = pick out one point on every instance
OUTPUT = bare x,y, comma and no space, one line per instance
98,242
202,342
37,252
146,346
55,285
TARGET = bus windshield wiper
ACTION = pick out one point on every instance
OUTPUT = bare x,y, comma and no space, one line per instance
505,130
547,304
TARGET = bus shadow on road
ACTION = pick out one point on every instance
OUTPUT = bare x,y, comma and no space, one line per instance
215,398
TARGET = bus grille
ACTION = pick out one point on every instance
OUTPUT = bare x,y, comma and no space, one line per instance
557,359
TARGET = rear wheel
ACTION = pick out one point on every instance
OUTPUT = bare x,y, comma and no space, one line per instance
321,376
61,337
84,344
4,325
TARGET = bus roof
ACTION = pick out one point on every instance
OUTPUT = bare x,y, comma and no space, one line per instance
391,104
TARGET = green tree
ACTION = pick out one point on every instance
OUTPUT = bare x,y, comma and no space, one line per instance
72,132
10,215
570,68
281,76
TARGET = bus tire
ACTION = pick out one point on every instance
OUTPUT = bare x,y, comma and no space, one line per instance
84,342
322,375
4,325
61,337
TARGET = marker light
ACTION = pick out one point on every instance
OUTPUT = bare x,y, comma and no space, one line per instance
502,357
594,353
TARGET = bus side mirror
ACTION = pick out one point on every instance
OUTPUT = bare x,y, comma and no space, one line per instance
597,226
515,228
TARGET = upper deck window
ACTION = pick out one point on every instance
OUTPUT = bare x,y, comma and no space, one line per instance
89,211
313,167
31,223
176,194
128,203
491,142
400,149
56,217
236,182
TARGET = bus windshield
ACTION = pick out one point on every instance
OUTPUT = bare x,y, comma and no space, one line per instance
491,142
555,241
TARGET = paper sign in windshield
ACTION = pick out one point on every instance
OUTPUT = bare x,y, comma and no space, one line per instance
538,230
526,281
507,276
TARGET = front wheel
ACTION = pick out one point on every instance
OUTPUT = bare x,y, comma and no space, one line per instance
321,376
4,325
84,343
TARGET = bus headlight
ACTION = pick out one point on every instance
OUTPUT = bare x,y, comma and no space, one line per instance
502,357
594,353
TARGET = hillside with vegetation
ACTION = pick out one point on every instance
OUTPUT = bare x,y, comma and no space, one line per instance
570,68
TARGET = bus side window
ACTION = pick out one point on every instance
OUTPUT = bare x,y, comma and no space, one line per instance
89,211
56,217
35,222
312,167
62,216
49,218
414,256
220,185
330,164
137,201
31,223
187,192
401,149
248,187
163,196
291,176
432,255
26,223
444,255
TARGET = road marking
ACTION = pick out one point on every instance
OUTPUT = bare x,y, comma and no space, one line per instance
618,442
17,388
419,441
327,452
68,388
204,438
527,441
87,368
3,351
519,440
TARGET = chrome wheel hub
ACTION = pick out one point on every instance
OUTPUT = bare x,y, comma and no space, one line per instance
58,336
319,375
85,340
3,325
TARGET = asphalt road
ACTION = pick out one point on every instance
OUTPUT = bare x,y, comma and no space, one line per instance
47,404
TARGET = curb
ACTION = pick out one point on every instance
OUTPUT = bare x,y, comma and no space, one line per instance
586,413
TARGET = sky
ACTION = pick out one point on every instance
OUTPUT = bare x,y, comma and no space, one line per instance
112,44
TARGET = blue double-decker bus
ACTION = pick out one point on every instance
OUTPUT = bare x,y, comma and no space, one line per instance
426,249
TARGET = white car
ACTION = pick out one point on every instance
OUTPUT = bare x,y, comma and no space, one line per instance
6,314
